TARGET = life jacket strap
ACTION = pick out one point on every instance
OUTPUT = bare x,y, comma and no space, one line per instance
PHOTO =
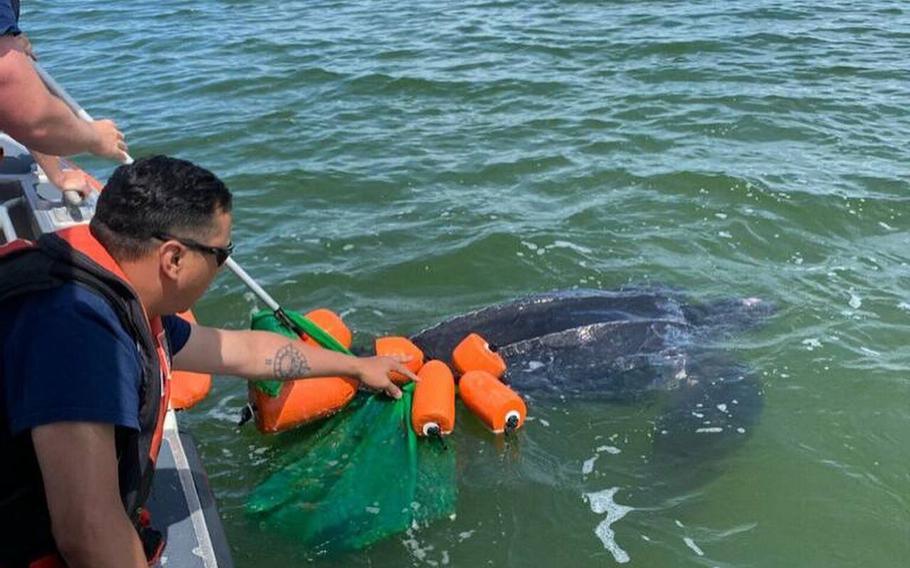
153,540
50,561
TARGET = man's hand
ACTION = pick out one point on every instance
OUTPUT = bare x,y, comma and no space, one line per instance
65,180
374,372
73,180
109,142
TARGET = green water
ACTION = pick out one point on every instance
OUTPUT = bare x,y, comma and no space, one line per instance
403,162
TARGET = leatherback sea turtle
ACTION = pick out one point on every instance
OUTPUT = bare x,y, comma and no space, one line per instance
571,353
621,346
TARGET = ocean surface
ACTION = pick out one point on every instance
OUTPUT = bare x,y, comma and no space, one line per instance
401,162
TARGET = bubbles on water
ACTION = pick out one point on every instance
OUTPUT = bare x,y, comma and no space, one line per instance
571,246
465,535
226,410
602,502
588,466
812,343
855,301
422,552
691,544
256,455
557,244
250,299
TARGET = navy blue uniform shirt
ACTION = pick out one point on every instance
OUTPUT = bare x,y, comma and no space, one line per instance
65,357
9,17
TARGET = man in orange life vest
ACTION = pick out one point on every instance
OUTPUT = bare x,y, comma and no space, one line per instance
85,331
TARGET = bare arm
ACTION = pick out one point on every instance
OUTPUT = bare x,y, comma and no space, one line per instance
265,355
79,466
64,179
33,116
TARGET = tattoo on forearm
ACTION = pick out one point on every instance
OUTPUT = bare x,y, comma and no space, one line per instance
288,363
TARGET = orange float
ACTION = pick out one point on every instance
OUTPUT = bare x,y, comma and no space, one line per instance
302,401
498,407
187,388
331,323
433,407
394,345
475,354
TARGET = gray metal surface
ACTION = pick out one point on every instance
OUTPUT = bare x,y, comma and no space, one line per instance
45,202
179,502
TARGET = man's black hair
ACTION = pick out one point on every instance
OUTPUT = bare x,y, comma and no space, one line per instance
153,196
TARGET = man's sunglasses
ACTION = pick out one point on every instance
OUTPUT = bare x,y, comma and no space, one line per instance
221,254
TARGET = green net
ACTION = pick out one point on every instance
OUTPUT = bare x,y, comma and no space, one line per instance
362,476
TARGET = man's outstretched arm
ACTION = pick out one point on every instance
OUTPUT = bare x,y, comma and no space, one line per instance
79,467
267,355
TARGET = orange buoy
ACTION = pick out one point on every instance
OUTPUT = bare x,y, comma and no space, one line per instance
331,323
400,346
498,407
433,408
300,402
306,400
475,354
187,388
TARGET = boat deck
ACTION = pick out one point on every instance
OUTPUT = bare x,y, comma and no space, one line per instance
182,501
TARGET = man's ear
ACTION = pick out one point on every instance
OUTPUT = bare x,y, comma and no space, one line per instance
171,259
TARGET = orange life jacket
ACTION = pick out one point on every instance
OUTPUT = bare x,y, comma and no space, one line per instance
74,255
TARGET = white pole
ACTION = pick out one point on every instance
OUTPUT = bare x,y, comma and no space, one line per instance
252,285
58,90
